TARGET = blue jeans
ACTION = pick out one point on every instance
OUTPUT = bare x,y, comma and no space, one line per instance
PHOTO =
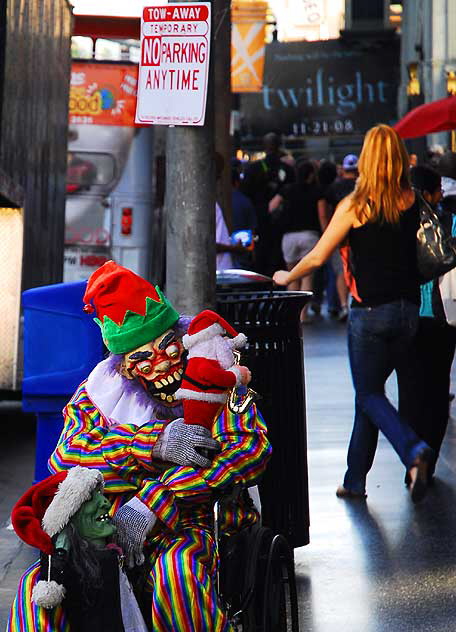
380,340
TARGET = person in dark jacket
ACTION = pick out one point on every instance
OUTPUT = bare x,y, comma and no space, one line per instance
301,222
263,180
424,402
244,219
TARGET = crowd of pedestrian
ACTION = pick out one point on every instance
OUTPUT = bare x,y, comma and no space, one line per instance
287,203
396,322
348,233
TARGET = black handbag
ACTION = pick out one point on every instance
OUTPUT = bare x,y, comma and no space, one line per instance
435,248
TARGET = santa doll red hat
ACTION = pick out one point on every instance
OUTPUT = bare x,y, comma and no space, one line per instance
211,372
207,325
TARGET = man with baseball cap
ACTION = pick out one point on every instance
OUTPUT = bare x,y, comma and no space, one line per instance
336,192
126,421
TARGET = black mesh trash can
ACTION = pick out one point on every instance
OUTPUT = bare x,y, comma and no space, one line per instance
274,354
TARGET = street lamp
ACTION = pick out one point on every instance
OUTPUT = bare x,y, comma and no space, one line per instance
451,89
413,85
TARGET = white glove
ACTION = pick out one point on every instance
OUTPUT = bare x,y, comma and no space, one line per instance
133,521
178,442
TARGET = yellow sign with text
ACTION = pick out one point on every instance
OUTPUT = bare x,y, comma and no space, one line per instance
247,45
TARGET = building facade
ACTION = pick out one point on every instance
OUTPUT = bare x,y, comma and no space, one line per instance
428,57
34,84
35,41
309,20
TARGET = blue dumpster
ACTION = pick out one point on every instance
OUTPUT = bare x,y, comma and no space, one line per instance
62,344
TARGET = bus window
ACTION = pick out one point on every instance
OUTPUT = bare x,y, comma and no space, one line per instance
85,169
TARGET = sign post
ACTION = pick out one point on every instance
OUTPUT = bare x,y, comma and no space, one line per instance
174,83
174,66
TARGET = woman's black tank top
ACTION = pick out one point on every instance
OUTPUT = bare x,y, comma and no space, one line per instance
384,260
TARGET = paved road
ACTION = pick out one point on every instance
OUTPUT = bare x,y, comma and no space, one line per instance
380,566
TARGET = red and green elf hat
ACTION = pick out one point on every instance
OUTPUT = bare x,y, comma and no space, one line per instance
130,311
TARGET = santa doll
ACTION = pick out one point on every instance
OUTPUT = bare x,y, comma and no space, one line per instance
211,371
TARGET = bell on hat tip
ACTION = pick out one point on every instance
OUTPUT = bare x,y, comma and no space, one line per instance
88,309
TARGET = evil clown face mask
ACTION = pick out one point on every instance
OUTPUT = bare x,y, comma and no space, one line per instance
158,366
92,521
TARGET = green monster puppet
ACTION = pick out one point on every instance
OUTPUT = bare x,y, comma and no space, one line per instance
67,517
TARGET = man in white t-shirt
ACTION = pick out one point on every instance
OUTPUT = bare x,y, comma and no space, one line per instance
224,260
223,244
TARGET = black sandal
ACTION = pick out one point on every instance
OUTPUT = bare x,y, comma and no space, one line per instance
418,474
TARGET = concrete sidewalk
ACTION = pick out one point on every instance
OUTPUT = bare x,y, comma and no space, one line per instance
17,435
383,565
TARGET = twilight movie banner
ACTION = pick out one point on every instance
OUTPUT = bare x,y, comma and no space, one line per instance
322,89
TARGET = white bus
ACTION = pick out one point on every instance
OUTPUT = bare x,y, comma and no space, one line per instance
109,175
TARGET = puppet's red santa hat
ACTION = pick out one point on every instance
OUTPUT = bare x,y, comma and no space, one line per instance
208,324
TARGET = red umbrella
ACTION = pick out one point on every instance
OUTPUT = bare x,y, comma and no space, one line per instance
437,116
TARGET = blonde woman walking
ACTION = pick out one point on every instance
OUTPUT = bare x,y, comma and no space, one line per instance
380,219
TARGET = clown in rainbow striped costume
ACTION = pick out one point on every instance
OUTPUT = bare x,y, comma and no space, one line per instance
125,421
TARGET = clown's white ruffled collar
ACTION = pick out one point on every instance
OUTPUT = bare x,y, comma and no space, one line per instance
118,405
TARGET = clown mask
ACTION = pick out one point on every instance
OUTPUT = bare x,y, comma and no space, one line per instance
158,366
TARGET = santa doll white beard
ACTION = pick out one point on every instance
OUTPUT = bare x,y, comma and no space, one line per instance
224,351
216,348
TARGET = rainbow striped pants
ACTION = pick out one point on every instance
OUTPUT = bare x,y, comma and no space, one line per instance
182,585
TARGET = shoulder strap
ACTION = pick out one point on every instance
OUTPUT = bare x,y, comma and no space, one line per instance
421,199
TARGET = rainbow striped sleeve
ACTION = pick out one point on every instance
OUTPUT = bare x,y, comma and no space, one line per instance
243,458
161,501
87,440
245,449
81,439
126,446
145,438
187,483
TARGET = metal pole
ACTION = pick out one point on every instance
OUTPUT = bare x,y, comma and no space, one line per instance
223,101
190,204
